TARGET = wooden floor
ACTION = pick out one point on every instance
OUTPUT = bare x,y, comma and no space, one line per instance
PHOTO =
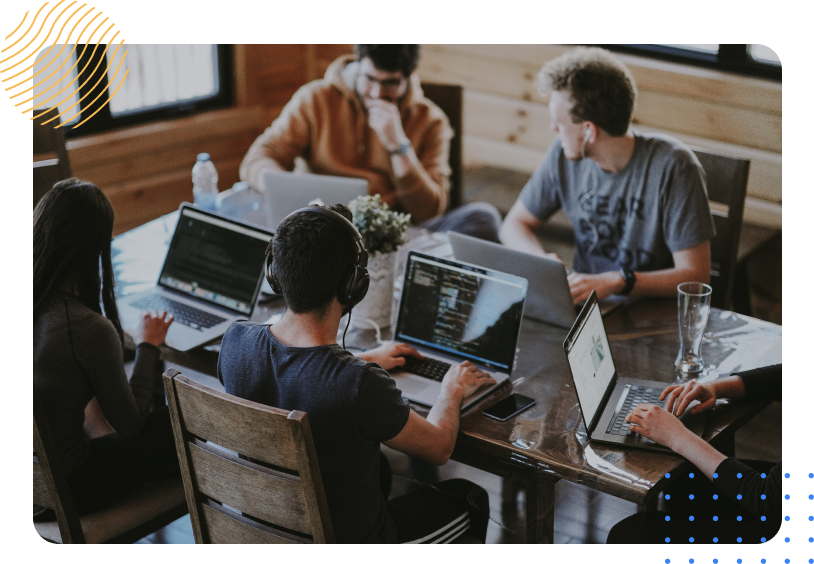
582,515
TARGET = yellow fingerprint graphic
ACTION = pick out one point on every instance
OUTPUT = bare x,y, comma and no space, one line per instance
61,76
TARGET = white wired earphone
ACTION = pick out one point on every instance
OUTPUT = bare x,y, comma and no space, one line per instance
588,194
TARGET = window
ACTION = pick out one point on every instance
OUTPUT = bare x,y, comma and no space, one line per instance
162,81
752,60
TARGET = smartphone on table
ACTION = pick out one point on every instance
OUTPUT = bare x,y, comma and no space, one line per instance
508,407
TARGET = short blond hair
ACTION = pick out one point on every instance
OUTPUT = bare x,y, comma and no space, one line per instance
601,87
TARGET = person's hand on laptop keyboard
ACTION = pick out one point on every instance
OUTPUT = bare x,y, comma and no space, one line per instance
153,327
390,355
469,377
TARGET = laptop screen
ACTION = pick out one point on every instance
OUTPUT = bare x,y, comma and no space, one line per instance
215,260
458,308
590,359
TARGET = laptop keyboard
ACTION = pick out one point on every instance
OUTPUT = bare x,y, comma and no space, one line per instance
635,396
426,367
184,314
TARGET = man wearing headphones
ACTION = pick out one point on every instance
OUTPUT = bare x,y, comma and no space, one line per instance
318,262
638,202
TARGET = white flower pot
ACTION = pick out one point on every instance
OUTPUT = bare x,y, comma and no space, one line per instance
377,305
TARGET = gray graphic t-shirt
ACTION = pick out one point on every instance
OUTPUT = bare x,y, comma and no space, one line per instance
635,218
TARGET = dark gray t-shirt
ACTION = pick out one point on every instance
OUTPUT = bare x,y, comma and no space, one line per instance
635,218
352,406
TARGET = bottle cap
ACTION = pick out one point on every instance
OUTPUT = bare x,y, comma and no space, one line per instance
203,156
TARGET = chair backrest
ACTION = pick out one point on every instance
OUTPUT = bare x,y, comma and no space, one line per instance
726,187
449,97
51,162
50,483
250,471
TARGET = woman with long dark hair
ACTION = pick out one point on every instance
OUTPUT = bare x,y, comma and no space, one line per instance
78,353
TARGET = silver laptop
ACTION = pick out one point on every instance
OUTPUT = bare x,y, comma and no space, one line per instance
210,278
285,192
549,297
604,397
451,312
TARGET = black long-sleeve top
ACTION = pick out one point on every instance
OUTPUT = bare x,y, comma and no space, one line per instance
759,495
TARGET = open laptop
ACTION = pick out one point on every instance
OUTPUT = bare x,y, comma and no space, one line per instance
210,278
549,298
451,312
285,192
604,397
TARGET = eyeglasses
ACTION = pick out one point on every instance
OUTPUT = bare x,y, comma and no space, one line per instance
390,85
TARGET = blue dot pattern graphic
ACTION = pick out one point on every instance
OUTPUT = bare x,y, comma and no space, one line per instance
692,518
740,539
787,496
667,475
714,496
667,518
692,496
714,517
788,475
740,496
714,539
667,539
715,475
692,539
692,475
740,475
787,517
787,539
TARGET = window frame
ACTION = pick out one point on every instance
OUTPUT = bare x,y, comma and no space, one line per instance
730,58
105,121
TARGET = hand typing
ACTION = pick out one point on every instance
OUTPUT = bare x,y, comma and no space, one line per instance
390,355
468,376
153,327
679,397
605,284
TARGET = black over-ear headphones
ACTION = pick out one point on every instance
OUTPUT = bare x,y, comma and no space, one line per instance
353,286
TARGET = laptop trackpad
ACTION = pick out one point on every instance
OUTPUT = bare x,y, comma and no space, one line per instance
410,385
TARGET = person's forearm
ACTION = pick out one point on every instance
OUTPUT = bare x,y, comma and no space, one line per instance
418,193
665,282
446,416
695,449
730,387
519,237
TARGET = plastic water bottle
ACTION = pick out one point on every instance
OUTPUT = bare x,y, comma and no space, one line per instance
205,182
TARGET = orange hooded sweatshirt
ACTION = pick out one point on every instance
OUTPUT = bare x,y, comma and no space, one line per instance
326,124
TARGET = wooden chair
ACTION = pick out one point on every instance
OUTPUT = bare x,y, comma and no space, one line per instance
449,97
726,187
150,508
250,471
50,156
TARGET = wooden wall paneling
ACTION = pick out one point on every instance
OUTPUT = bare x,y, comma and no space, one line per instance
719,121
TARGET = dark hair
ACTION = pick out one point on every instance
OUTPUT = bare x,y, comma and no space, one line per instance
73,226
601,87
391,58
312,255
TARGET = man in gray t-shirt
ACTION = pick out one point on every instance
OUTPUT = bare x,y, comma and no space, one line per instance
638,203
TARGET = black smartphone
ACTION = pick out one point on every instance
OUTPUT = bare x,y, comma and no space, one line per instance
508,407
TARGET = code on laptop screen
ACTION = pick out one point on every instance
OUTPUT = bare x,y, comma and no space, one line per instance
474,312
215,260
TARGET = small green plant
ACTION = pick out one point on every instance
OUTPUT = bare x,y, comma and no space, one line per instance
381,228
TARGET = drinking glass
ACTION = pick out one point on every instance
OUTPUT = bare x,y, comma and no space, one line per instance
693,313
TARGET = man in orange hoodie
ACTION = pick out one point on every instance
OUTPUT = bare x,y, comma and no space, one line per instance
368,118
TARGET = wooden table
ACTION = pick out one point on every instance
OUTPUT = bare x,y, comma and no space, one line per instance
548,442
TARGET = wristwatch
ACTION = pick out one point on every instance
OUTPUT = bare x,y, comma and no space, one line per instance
630,280
402,149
